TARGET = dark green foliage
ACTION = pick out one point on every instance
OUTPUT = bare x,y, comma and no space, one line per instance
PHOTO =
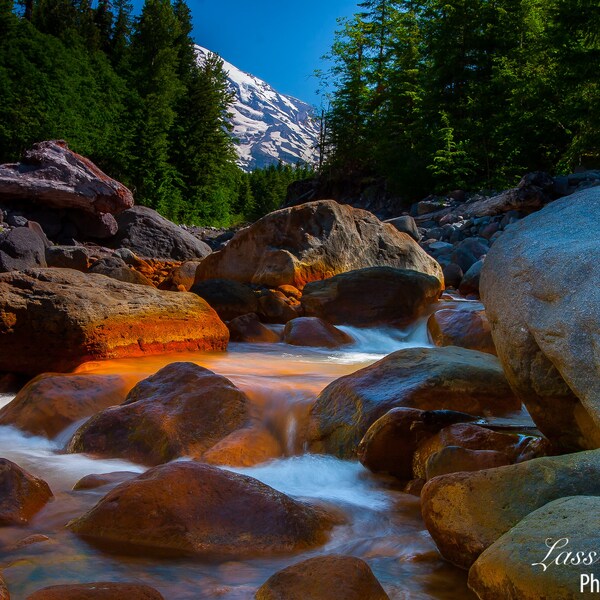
129,94
465,93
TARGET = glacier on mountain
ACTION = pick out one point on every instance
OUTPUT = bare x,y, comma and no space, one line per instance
269,126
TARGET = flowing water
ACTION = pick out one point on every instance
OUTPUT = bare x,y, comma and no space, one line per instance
383,525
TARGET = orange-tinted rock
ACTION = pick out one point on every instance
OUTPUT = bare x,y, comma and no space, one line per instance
183,410
189,508
50,403
312,331
390,443
474,437
290,291
371,296
466,326
248,328
97,591
57,319
276,307
21,494
314,241
244,448
181,278
332,577
423,378
95,480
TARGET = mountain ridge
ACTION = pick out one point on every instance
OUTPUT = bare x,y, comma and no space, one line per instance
269,126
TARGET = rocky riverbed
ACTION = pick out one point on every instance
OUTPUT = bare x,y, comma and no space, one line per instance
318,406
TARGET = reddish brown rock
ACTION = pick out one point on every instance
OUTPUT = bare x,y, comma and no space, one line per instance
95,480
471,436
312,331
423,378
181,278
52,320
331,577
244,448
189,508
21,494
371,296
391,442
276,307
183,410
97,591
4,593
50,403
464,325
248,328
53,175
314,241
230,299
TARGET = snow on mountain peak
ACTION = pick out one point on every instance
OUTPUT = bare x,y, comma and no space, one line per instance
268,125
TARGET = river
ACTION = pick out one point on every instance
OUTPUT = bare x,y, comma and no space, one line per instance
383,527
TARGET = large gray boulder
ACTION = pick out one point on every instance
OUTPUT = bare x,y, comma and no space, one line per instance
149,235
540,288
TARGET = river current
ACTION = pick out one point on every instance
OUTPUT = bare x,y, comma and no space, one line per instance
383,524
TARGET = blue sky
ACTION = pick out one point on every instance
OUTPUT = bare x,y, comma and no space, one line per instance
279,41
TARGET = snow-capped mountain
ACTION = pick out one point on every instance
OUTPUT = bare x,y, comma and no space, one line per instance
269,126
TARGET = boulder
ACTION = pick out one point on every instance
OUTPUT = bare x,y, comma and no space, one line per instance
54,176
49,403
149,235
466,513
95,227
406,224
423,378
390,443
21,494
471,436
52,320
312,331
551,554
275,307
465,325
100,590
21,248
314,241
183,410
453,275
470,282
330,577
207,512
245,447
181,279
230,299
248,328
371,296
68,257
115,268
539,288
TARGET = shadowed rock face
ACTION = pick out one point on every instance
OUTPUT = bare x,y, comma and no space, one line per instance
52,320
540,288
314,241
53,175
97,591
371,296
185,508
422,378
